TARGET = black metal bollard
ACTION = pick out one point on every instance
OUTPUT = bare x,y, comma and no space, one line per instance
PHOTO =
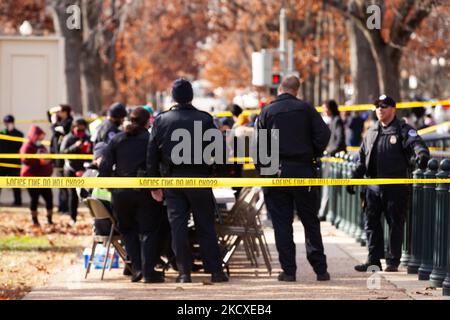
446,283
441,232
406,250
339,168
359,227
354,200
331,216
346,196
416,225
362,215
428,208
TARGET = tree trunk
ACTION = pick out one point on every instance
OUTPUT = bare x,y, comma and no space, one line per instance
91,81
72,50
331,62
90,58
363,67
318,55
110,36
388,66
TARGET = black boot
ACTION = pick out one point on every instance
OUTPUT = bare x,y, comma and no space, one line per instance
219,277
365,266
286,277
323,276
34,218
137,276
155,277
49,216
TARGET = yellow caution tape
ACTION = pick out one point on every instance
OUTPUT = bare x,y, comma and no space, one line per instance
10,165
433,128
31,121
46,120
248,166
330,159
356,107
66,182
432,149
353,149
241,159
85,157
418,104
46,156
19,139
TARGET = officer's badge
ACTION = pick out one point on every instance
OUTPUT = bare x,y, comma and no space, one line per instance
412,133
393,140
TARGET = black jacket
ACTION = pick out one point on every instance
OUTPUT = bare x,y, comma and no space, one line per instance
387,152
159,160
107,131
68,147
59,130
7,146
125,156
303,135
337,139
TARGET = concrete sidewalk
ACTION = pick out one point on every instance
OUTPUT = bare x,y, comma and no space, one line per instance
248,282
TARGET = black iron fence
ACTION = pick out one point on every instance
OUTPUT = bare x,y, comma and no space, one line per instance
426,245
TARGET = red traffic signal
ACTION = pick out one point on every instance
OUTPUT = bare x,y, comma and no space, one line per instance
276,79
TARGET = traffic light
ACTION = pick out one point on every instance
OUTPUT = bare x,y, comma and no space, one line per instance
276,79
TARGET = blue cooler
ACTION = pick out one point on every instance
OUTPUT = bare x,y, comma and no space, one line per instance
99,257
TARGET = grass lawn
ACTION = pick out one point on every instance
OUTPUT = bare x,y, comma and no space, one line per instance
29,255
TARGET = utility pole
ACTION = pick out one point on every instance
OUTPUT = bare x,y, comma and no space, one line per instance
262,74
283,43
290,54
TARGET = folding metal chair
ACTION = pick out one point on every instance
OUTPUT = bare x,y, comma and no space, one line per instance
243,225
114,238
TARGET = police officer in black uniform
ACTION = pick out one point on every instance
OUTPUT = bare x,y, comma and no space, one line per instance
181,201
303,136
139,215
110,127
386,152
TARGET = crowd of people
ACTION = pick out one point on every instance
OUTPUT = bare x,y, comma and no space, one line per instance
137,143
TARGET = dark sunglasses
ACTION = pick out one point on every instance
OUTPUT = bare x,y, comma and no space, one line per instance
382,106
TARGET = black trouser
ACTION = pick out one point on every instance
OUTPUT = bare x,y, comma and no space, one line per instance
73,197
280,204
139,218
63,194
165,238
202,204
12,172
393,201
45,193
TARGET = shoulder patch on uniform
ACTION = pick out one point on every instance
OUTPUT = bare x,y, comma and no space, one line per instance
111,135
412,133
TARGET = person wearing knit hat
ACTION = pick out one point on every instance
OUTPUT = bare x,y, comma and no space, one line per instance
182,91
117,110
163,161
110,127
149,108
